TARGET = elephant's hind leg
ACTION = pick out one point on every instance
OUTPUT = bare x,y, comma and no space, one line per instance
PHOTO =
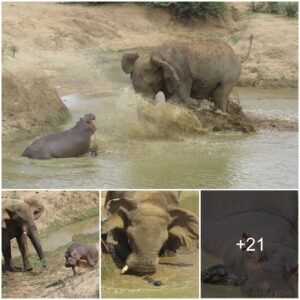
221,95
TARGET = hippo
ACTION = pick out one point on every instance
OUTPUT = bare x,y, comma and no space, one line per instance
219,274
70,143
233,218
77,253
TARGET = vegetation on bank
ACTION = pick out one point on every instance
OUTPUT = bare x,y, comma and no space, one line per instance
73,216
193,9
289,9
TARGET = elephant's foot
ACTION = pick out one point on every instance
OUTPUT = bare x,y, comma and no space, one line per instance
12,268
28,268
43,261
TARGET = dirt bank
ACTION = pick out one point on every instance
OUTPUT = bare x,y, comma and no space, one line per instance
61,208
59,42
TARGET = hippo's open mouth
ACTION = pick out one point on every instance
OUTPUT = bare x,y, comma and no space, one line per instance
89,118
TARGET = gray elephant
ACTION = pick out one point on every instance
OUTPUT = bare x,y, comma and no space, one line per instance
144,225
18,222
208,70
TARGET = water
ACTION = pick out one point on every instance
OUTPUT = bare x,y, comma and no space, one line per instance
62,236
179,274
168,148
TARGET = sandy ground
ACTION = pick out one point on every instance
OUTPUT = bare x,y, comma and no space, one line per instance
34,284
56,42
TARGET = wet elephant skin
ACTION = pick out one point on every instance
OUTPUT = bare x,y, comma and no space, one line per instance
231,216
144,225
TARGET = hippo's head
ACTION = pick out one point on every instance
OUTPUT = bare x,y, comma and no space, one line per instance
268,273
86,125
70,261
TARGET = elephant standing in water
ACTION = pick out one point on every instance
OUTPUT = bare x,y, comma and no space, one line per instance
144,225
208,70
18,222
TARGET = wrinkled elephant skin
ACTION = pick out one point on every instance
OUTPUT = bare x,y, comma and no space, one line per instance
18,222
144,225
208,70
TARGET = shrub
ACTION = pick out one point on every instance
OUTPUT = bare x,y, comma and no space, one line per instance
290,9
193,9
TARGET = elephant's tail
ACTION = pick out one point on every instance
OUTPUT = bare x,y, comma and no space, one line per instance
248,54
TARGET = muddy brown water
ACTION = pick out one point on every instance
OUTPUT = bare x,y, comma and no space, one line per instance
166,149
62,236
179,274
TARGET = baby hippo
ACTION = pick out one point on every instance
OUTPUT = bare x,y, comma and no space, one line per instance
77,253
70,143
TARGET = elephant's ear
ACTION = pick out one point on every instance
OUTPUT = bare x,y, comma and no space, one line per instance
117,220
113,205
183,229
128,61
170,76
5,217
36,207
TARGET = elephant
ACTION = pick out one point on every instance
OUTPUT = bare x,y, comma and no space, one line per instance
208,70
78,252
70,143
18,222
145,225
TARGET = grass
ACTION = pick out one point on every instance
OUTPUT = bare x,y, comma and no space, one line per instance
236,37
57,120
108,266
73,217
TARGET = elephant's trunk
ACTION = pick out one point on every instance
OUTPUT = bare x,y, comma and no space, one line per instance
141,264
34,237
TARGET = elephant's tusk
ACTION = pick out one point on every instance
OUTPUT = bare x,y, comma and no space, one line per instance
125,269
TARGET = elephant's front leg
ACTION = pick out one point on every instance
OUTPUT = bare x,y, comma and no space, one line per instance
6,250
22,243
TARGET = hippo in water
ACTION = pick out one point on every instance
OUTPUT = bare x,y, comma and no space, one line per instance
77,253
231,217
70,143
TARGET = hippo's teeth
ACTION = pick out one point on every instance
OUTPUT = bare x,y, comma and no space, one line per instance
125,269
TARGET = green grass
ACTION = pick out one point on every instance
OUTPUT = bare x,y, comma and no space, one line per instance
108,266
73,217
236,37
57,120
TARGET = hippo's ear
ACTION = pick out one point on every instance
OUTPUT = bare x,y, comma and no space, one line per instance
128,61
118,220
183,229
170,76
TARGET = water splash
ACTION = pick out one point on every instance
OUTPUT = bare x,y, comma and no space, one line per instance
140,118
